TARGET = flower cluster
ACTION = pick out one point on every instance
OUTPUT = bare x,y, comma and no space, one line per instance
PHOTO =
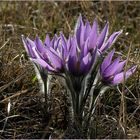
77,53
80,59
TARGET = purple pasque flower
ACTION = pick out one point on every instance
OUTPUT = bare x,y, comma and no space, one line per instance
80,60
44,54
112,71
86,32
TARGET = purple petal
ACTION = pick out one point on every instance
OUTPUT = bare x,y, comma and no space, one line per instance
82,35
47,41
72,48
34,48
53,43
63,39
107,61
110,70
78,29
28,48
93,35
31,43
54,59
110,41
79,20
85,50
64,46
72,61
73,51
53,51
43,64
132,70
39,45
70,43
85,63
57,44
119,78
57,48
87,30
120,67
102,36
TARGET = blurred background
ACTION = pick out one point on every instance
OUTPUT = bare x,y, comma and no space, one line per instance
20,110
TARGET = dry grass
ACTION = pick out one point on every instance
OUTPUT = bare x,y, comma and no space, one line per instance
17,84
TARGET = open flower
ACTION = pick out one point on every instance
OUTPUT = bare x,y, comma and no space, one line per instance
45,55
80,60
86,32
112,72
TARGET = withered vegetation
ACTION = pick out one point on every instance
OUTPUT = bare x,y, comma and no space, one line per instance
21,113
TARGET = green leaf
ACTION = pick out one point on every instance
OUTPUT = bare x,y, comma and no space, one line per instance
34,79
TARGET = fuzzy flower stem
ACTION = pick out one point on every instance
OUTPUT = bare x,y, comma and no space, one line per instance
46,91
89,83
102,89
72,93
